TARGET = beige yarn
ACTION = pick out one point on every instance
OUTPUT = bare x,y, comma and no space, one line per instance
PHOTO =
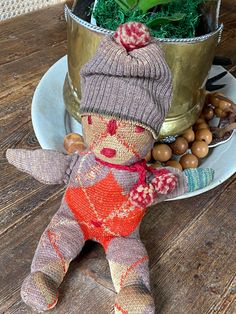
12,8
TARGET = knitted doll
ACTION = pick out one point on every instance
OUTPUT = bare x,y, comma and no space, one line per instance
126,94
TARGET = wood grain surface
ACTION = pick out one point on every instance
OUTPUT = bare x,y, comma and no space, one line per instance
191,243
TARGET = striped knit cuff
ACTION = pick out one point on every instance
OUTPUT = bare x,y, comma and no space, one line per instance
198,178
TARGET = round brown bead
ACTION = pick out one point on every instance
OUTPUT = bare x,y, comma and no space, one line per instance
189,135
174,164
189,161
180,146
204,135
74,142
200,149
161,152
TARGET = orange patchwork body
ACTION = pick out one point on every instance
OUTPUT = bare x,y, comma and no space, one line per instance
103,210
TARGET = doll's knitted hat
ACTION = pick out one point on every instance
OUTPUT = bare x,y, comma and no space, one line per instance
128,78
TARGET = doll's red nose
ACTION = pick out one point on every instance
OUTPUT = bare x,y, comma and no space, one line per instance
108,152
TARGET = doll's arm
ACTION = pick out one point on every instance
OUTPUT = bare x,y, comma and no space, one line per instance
198,178
187,181
46,166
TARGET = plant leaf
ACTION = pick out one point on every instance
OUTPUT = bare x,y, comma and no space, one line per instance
126,5
162,20
123,5
145,5
132,3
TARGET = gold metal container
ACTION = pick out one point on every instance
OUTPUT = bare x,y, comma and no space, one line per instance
189,60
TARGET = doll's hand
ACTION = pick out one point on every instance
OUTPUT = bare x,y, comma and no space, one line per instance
46,166
198,178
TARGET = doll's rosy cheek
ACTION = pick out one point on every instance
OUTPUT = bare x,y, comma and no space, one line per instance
89,120
139,129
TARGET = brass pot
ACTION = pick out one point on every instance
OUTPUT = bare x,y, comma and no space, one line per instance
189,59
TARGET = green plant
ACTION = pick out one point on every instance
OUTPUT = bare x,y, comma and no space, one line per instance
162,20
142,5
146,5
167,19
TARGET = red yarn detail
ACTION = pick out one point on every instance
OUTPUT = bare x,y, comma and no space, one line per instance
54,302
130,268
139,129
97,224
128,30
143,194
132,35
119,308
140,167
112,127
165,183
89,120
108,152
52,240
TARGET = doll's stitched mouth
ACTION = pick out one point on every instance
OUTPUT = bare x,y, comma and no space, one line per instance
108,152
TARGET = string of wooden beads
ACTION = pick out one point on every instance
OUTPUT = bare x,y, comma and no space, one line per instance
189,148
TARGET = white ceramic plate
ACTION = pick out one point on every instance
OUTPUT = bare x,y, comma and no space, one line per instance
49,116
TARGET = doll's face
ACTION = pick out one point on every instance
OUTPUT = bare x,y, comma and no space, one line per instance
114,141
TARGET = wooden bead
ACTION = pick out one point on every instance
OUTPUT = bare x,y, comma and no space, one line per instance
220,113
202,126
180,146
208,113
76,148
161,152
189,161
74,142
214,100
200,149
157,164
224,105
200,120
204,135
174,164
189,135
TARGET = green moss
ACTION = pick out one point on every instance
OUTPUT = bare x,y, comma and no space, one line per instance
109,15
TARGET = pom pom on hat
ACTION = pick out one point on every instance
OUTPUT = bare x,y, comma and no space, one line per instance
132,35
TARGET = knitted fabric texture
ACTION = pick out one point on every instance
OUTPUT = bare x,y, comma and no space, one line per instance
132,35
117,142
135,85
198,178
90,201
87,212
46,166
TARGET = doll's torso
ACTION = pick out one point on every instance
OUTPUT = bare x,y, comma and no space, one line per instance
98,196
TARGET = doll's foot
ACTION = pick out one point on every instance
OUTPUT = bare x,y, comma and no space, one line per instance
134,299
39,291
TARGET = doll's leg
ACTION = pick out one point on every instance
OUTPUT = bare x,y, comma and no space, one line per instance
60,243
128,261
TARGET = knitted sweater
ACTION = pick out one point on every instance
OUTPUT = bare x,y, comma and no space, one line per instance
99,197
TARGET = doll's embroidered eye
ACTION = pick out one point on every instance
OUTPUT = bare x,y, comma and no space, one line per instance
89,120
139,129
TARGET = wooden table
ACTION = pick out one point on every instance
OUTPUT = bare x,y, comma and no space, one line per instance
191,242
